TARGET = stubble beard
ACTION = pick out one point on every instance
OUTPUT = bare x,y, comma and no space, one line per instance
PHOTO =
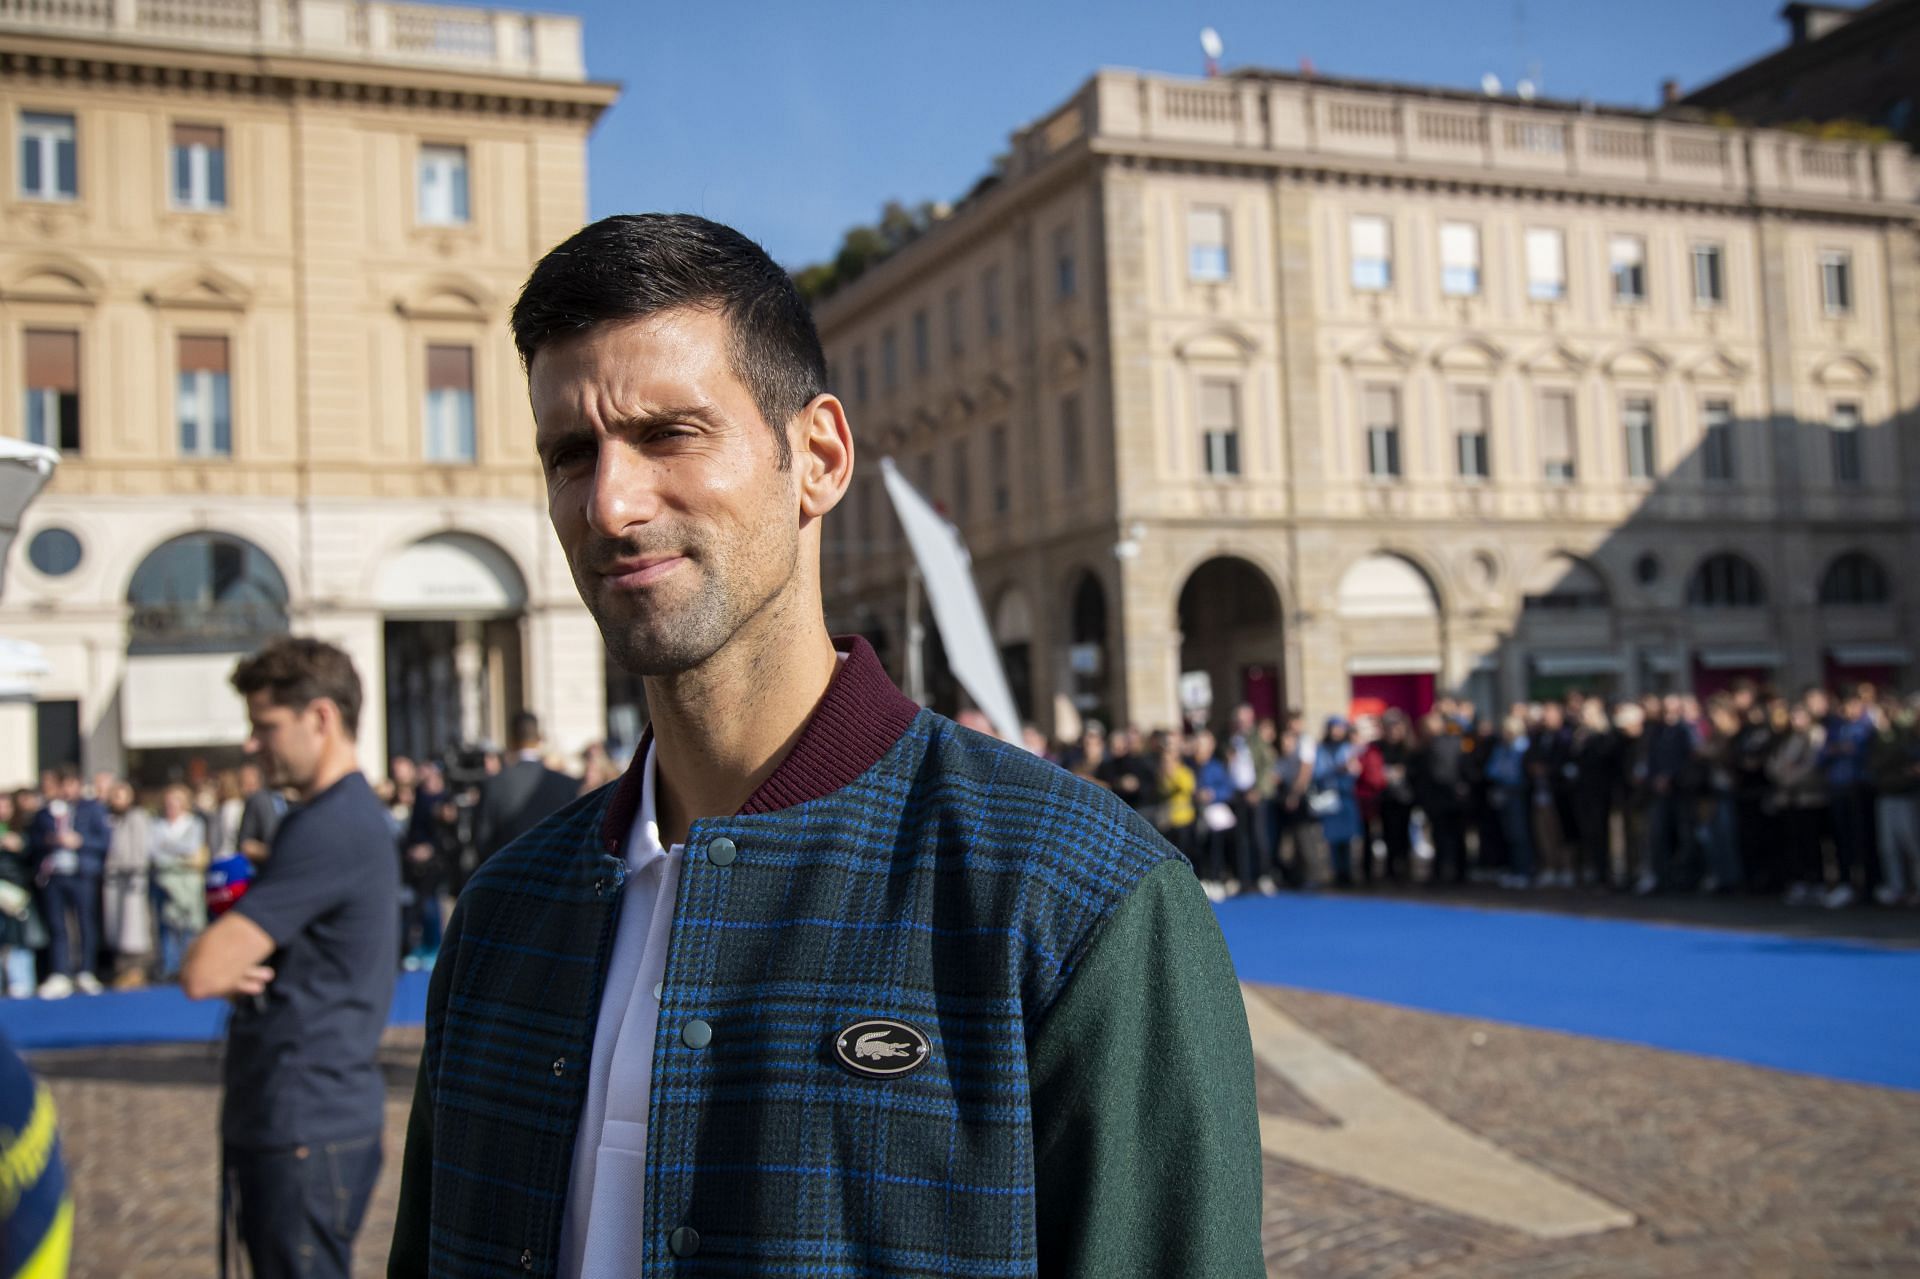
654,641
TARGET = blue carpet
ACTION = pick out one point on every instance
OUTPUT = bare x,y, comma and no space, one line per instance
1844,1010
1839,1009
161,1015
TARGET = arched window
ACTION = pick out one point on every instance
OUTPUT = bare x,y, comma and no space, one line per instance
1855,578
1726,581
1565,584
206,592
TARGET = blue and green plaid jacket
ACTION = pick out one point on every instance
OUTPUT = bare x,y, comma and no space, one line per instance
895,866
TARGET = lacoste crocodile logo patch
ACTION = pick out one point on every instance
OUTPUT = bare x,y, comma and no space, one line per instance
881,1048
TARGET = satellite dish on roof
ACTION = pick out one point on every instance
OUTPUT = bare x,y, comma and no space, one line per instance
1525,90
1210,42
1490,85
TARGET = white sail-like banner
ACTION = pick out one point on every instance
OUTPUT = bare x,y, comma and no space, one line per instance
947,570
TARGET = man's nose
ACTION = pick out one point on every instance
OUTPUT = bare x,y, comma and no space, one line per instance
625,491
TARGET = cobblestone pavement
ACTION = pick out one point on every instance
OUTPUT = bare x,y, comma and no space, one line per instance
1728,1170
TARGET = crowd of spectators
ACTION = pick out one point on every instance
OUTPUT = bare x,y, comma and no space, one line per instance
1815,798
102,884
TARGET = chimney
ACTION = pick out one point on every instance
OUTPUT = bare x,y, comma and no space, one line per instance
1806,21
1669,92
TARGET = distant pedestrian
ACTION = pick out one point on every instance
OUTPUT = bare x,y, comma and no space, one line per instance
126,903
308,957
178,853
70,838
523,793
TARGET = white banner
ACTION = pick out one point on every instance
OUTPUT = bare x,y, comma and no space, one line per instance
946,568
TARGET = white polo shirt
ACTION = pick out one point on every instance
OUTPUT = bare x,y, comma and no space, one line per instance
607,1194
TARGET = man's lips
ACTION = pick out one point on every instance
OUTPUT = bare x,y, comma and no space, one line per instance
632,574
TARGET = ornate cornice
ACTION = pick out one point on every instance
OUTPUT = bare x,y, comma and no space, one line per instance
287,79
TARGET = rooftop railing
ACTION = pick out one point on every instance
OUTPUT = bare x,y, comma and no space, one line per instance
491,41
1299,119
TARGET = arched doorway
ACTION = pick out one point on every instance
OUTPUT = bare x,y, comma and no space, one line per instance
1566,624
453,604
1231,629
1088,656
198,603
1390,628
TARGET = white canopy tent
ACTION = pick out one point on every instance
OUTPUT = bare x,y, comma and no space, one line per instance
24,471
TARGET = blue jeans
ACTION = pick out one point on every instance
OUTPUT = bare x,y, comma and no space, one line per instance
294,1210
170,943
1516,819
1720,833
76,941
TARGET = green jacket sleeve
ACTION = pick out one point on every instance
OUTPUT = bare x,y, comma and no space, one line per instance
1146,1131
413,1218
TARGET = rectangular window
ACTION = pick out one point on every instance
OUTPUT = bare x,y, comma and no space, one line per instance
1546,264
999,472
1207,258
860,375
1470,432
1372,248
205,398
990,300
449,409
1845,429
1716,441
1072,447
1558,454
1636,417
53,389
956,331
962,482
889,362
1627,259
1836,281
922,344
199,167
1220,428
1382,411
49,156
1459,259
443,185
1709,275
1064,281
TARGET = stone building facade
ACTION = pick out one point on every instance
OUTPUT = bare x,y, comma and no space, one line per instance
1344,394
255,260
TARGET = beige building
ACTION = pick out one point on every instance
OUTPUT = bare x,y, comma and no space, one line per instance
1341,392
255,261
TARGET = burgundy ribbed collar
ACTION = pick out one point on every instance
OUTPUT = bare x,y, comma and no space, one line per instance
858,720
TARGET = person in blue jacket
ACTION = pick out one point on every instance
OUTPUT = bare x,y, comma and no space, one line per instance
69,840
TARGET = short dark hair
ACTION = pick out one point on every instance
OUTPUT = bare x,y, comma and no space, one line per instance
634,265
296,670
523,730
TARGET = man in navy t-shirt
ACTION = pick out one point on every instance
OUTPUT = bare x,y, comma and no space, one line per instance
308,956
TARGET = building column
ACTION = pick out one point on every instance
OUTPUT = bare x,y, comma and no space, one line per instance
566,676
469,668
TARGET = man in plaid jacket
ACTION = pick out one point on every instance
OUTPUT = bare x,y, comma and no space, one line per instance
826,985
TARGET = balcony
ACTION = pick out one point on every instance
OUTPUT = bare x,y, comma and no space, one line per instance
484,41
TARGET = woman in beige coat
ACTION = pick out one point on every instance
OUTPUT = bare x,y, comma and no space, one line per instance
127,918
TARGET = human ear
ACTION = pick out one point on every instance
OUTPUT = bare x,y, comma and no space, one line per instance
822,455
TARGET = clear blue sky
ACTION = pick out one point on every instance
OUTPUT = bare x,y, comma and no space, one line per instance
796,121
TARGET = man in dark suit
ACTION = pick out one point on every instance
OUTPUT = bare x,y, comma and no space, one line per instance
521,794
